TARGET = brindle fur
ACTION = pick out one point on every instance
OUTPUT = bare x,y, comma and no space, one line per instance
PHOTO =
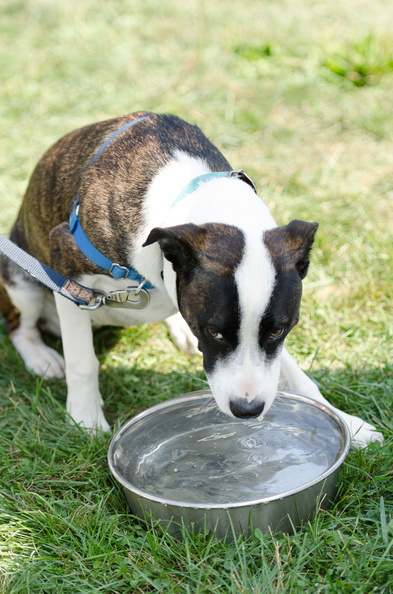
10,313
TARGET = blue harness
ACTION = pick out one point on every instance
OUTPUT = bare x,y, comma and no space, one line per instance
90,251
85,298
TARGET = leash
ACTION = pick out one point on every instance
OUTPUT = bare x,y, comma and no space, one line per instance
86,298
67,287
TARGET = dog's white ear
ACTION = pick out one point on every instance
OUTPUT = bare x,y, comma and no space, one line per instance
180,244
290,245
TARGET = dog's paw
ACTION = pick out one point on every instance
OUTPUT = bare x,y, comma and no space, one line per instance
181,335
362,433
47,363
91,418
37,356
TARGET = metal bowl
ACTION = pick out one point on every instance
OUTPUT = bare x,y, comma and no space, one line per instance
184,462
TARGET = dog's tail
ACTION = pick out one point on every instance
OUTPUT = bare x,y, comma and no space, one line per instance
8,309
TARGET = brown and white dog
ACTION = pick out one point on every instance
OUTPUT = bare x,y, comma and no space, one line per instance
153,197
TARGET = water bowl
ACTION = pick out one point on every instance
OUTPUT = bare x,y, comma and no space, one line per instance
184,462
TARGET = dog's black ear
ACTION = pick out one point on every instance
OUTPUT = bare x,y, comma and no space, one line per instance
180,244
301,235
290,245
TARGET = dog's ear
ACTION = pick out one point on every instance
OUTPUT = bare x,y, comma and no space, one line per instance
301,236
180,244
290,245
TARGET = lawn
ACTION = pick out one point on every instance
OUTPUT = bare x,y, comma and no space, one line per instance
299,94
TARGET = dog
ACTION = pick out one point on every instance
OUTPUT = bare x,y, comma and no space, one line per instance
153,193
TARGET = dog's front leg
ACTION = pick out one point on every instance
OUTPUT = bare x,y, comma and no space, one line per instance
84,402
294,379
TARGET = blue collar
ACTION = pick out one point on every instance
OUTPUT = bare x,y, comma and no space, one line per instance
206,177
83,242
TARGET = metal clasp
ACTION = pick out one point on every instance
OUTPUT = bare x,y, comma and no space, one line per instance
98,302
129,298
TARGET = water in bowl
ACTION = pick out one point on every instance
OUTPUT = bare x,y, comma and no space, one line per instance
232,461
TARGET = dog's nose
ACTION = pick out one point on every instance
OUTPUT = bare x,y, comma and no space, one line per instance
242,409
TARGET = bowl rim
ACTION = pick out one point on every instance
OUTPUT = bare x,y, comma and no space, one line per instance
327,409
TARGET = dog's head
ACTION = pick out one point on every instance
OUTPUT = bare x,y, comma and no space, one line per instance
240,294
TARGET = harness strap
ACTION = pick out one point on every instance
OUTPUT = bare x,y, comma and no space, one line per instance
116,270
90,251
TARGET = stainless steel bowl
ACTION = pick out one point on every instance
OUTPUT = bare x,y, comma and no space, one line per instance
183,462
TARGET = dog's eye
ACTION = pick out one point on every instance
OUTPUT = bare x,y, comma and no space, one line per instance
214,333
276,333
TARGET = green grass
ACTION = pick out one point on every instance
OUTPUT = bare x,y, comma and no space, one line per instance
299,95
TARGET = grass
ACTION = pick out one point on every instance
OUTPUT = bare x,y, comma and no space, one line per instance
299,95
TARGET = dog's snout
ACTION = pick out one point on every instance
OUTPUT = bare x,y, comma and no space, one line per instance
242,409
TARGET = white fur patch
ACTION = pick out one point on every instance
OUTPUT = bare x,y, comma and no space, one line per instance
157,211
37,356
223,200
246,373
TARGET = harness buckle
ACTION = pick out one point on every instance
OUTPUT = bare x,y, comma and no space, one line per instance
115,269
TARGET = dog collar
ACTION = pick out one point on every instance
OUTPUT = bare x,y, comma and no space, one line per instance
206,177
116,270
